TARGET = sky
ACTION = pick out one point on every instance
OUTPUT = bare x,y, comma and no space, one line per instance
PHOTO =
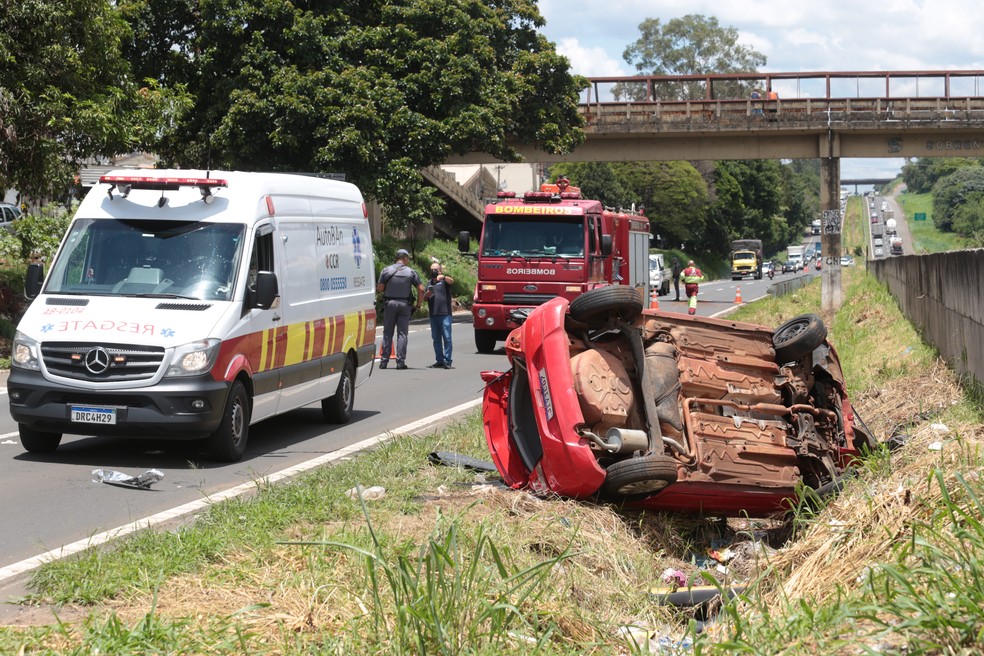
837,35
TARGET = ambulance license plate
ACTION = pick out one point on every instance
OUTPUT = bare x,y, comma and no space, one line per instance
82,414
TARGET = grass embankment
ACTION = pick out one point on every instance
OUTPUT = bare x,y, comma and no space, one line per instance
926,238
442,564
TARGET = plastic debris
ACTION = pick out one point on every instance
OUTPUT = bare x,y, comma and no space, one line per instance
939,427
141,482
935,446
367,493
674,577
449,459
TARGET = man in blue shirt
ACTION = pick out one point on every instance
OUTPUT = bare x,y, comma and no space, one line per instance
438,297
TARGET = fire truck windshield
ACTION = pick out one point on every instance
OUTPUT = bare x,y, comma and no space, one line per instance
533,237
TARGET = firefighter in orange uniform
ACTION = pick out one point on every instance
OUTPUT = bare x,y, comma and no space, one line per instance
691,277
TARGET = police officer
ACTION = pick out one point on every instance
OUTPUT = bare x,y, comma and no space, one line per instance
397,282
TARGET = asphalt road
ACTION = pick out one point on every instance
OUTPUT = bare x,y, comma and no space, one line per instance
51,500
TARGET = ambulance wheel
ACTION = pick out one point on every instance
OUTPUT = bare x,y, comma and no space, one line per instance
228,442
35,441
637,478
485,341
593,307
798,337
337,409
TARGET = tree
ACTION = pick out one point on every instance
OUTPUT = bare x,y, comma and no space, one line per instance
694,44
376,89
602,181
675,197
950,193
921,174
66,93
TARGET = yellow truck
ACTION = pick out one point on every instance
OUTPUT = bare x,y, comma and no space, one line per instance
746,258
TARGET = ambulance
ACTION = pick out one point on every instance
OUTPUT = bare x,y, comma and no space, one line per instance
189,304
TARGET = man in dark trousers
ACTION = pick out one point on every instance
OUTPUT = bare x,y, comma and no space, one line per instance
677,268
438,297
397,282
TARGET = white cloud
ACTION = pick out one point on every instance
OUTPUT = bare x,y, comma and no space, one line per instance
590,61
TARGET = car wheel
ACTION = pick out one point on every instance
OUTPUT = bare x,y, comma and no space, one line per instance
593,307
638,478
798,337
337,409
35,441
228,442
485,341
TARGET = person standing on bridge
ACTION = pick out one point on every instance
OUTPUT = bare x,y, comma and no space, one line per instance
691,277
397,282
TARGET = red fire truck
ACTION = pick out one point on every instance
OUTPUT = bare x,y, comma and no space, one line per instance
551,243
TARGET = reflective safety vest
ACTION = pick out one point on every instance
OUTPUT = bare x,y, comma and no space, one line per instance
691,275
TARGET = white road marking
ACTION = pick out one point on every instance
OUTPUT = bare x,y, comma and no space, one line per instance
28,564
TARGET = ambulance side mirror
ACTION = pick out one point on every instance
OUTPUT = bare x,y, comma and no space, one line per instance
266,291
34,280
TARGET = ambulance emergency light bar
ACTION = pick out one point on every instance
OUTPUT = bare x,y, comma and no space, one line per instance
127,182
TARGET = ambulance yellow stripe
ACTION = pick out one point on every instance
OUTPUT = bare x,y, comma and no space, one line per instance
296,334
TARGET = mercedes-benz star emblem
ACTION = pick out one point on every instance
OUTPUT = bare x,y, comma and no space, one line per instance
97,360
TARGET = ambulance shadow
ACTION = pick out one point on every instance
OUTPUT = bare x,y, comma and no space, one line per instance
266,438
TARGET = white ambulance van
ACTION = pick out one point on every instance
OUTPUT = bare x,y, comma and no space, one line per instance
191,304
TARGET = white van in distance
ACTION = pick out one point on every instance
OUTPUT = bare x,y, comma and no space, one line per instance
190,304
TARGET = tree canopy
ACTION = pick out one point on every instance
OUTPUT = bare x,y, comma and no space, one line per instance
66,93
372,88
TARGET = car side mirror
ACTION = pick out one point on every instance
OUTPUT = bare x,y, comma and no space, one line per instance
266,291
34,280
464,241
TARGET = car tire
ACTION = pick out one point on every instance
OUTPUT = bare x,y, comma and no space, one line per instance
35,441
593,307
798,337
485,341
228,442
337,409
638,478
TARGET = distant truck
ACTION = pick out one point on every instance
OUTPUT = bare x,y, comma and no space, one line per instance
891,226
746,258
895,246
796,255
877,230
815,227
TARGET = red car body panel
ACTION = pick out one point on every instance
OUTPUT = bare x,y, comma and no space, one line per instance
744,462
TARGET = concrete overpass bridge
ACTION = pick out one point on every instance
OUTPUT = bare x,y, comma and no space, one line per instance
817,115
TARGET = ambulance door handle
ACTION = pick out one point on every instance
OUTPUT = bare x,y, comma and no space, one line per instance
276,317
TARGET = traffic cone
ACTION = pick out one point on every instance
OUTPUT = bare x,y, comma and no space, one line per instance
654,299
392,350
738,296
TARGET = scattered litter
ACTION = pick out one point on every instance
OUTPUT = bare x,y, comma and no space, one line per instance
935,446
441,490
480,479
449,459
141,482
939,427
367,493
721,556
674,577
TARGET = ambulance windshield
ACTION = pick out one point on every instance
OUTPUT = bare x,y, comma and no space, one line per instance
166,259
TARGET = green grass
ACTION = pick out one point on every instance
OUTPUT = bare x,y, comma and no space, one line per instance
926,238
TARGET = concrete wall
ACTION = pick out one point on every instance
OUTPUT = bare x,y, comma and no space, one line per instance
941,294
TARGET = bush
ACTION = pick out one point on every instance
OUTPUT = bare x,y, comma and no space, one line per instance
40,234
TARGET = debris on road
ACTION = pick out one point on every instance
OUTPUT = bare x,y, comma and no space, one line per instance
141,482
367,493
448,459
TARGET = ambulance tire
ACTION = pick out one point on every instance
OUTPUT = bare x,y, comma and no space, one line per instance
337,409
35,441
594,306
228,442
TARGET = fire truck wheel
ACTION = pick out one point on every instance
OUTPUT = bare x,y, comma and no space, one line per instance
637,478
337,409
35,441
593,307
798,337
484,341
228,442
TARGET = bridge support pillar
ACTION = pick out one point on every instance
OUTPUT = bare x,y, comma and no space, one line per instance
830,237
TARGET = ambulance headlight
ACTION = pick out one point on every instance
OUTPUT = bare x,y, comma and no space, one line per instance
25,352
194,358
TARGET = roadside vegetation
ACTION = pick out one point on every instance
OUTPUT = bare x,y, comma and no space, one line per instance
926,236
446,563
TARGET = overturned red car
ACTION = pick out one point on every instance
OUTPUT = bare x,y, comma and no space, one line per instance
668,411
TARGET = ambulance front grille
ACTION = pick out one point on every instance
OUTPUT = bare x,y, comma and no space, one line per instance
106,362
